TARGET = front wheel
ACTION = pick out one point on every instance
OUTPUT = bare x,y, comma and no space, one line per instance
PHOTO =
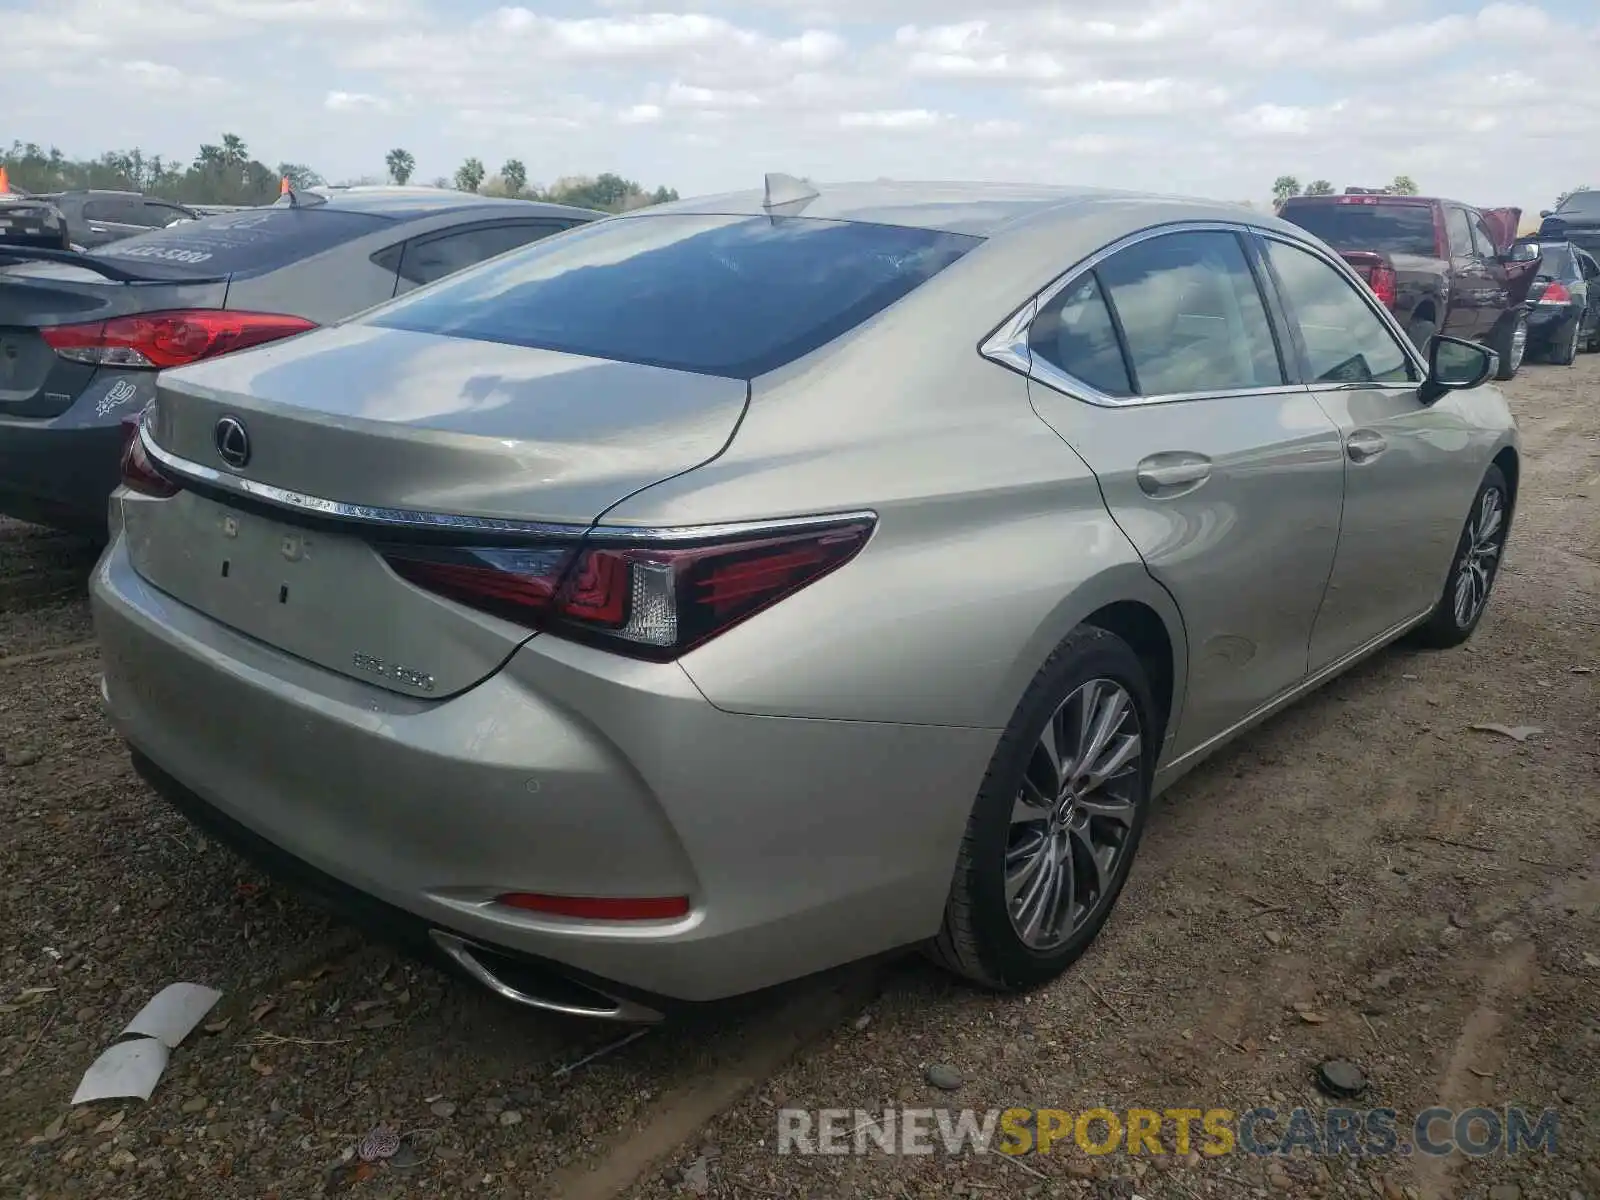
1057,822
1475,566
1511,346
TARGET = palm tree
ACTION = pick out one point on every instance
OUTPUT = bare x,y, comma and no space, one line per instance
515,176
469,175
400,164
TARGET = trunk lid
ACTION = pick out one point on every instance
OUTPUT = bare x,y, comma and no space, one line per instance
395,420
34,380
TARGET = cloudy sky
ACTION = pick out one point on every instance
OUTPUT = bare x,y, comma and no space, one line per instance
1493,103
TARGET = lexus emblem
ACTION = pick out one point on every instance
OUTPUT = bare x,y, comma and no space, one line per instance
233,443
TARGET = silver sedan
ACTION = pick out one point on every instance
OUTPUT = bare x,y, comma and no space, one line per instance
725,591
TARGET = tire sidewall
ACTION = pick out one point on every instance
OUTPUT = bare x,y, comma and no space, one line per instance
1007,957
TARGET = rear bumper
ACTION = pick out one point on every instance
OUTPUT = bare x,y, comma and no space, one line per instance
1546,321
61,471
802,844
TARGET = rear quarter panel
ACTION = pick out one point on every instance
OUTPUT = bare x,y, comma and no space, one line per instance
993,540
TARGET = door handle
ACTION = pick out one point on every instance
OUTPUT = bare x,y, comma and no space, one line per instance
1364,445
1171,473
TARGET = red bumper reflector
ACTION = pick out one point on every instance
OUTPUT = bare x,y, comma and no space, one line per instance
600,908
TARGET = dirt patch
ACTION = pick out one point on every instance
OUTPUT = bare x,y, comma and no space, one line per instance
1428,894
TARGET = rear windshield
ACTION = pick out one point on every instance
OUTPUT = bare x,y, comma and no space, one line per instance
1557,262
1385,228
717,295
239,243
1587,202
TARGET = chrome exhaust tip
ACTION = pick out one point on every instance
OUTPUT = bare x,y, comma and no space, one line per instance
536,987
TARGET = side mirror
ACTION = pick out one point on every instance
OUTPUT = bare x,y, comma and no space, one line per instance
1547,212
1454,365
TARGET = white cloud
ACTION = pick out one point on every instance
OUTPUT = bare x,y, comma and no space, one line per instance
1210,97
354,102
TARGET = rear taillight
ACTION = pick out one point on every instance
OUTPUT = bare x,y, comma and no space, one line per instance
168,339
1555,292
138,472
644,600
1385,284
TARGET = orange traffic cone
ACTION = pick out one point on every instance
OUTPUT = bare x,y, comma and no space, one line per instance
5,182
283,188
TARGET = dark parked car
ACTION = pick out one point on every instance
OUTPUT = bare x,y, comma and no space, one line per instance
1564,302
82,336
1439,266
96,218
31,221
1576,219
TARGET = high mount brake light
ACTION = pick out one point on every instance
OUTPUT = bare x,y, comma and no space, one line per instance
168,339
640,599
138,472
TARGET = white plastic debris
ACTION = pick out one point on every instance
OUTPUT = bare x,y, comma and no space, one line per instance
131,1068
173,1014
127,1070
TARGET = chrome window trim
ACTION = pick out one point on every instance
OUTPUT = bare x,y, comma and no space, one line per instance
1008,345
417,519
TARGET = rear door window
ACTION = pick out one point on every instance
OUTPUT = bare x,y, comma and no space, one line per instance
240,243
1192,315
115,211
717,295
431,258
1459,229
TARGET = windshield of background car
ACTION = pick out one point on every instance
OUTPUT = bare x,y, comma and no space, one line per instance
1557,262
716,295
240,243
1385,228
1581,204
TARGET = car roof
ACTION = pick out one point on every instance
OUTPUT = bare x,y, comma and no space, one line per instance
409,203
979,209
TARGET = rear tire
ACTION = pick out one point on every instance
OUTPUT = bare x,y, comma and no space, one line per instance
1564,346
1031,892
1511,346
1474,567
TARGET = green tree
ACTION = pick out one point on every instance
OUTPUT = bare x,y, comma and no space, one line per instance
401,165
515,176
1285,186
1402,185
469,175
1319,187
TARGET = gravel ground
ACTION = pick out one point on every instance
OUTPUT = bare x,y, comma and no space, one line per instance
1365,877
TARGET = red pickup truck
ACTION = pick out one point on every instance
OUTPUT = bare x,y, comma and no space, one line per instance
1439,265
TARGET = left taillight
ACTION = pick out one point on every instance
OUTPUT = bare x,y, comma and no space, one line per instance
153,341
139,474
1385,284
642,600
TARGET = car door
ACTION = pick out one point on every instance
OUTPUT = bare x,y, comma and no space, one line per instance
1467,313
1591,280
109,219
1160,366
432,256
1403,499
1507,283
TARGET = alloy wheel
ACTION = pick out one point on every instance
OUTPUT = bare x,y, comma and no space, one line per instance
1481,545
1519,342
1073,816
